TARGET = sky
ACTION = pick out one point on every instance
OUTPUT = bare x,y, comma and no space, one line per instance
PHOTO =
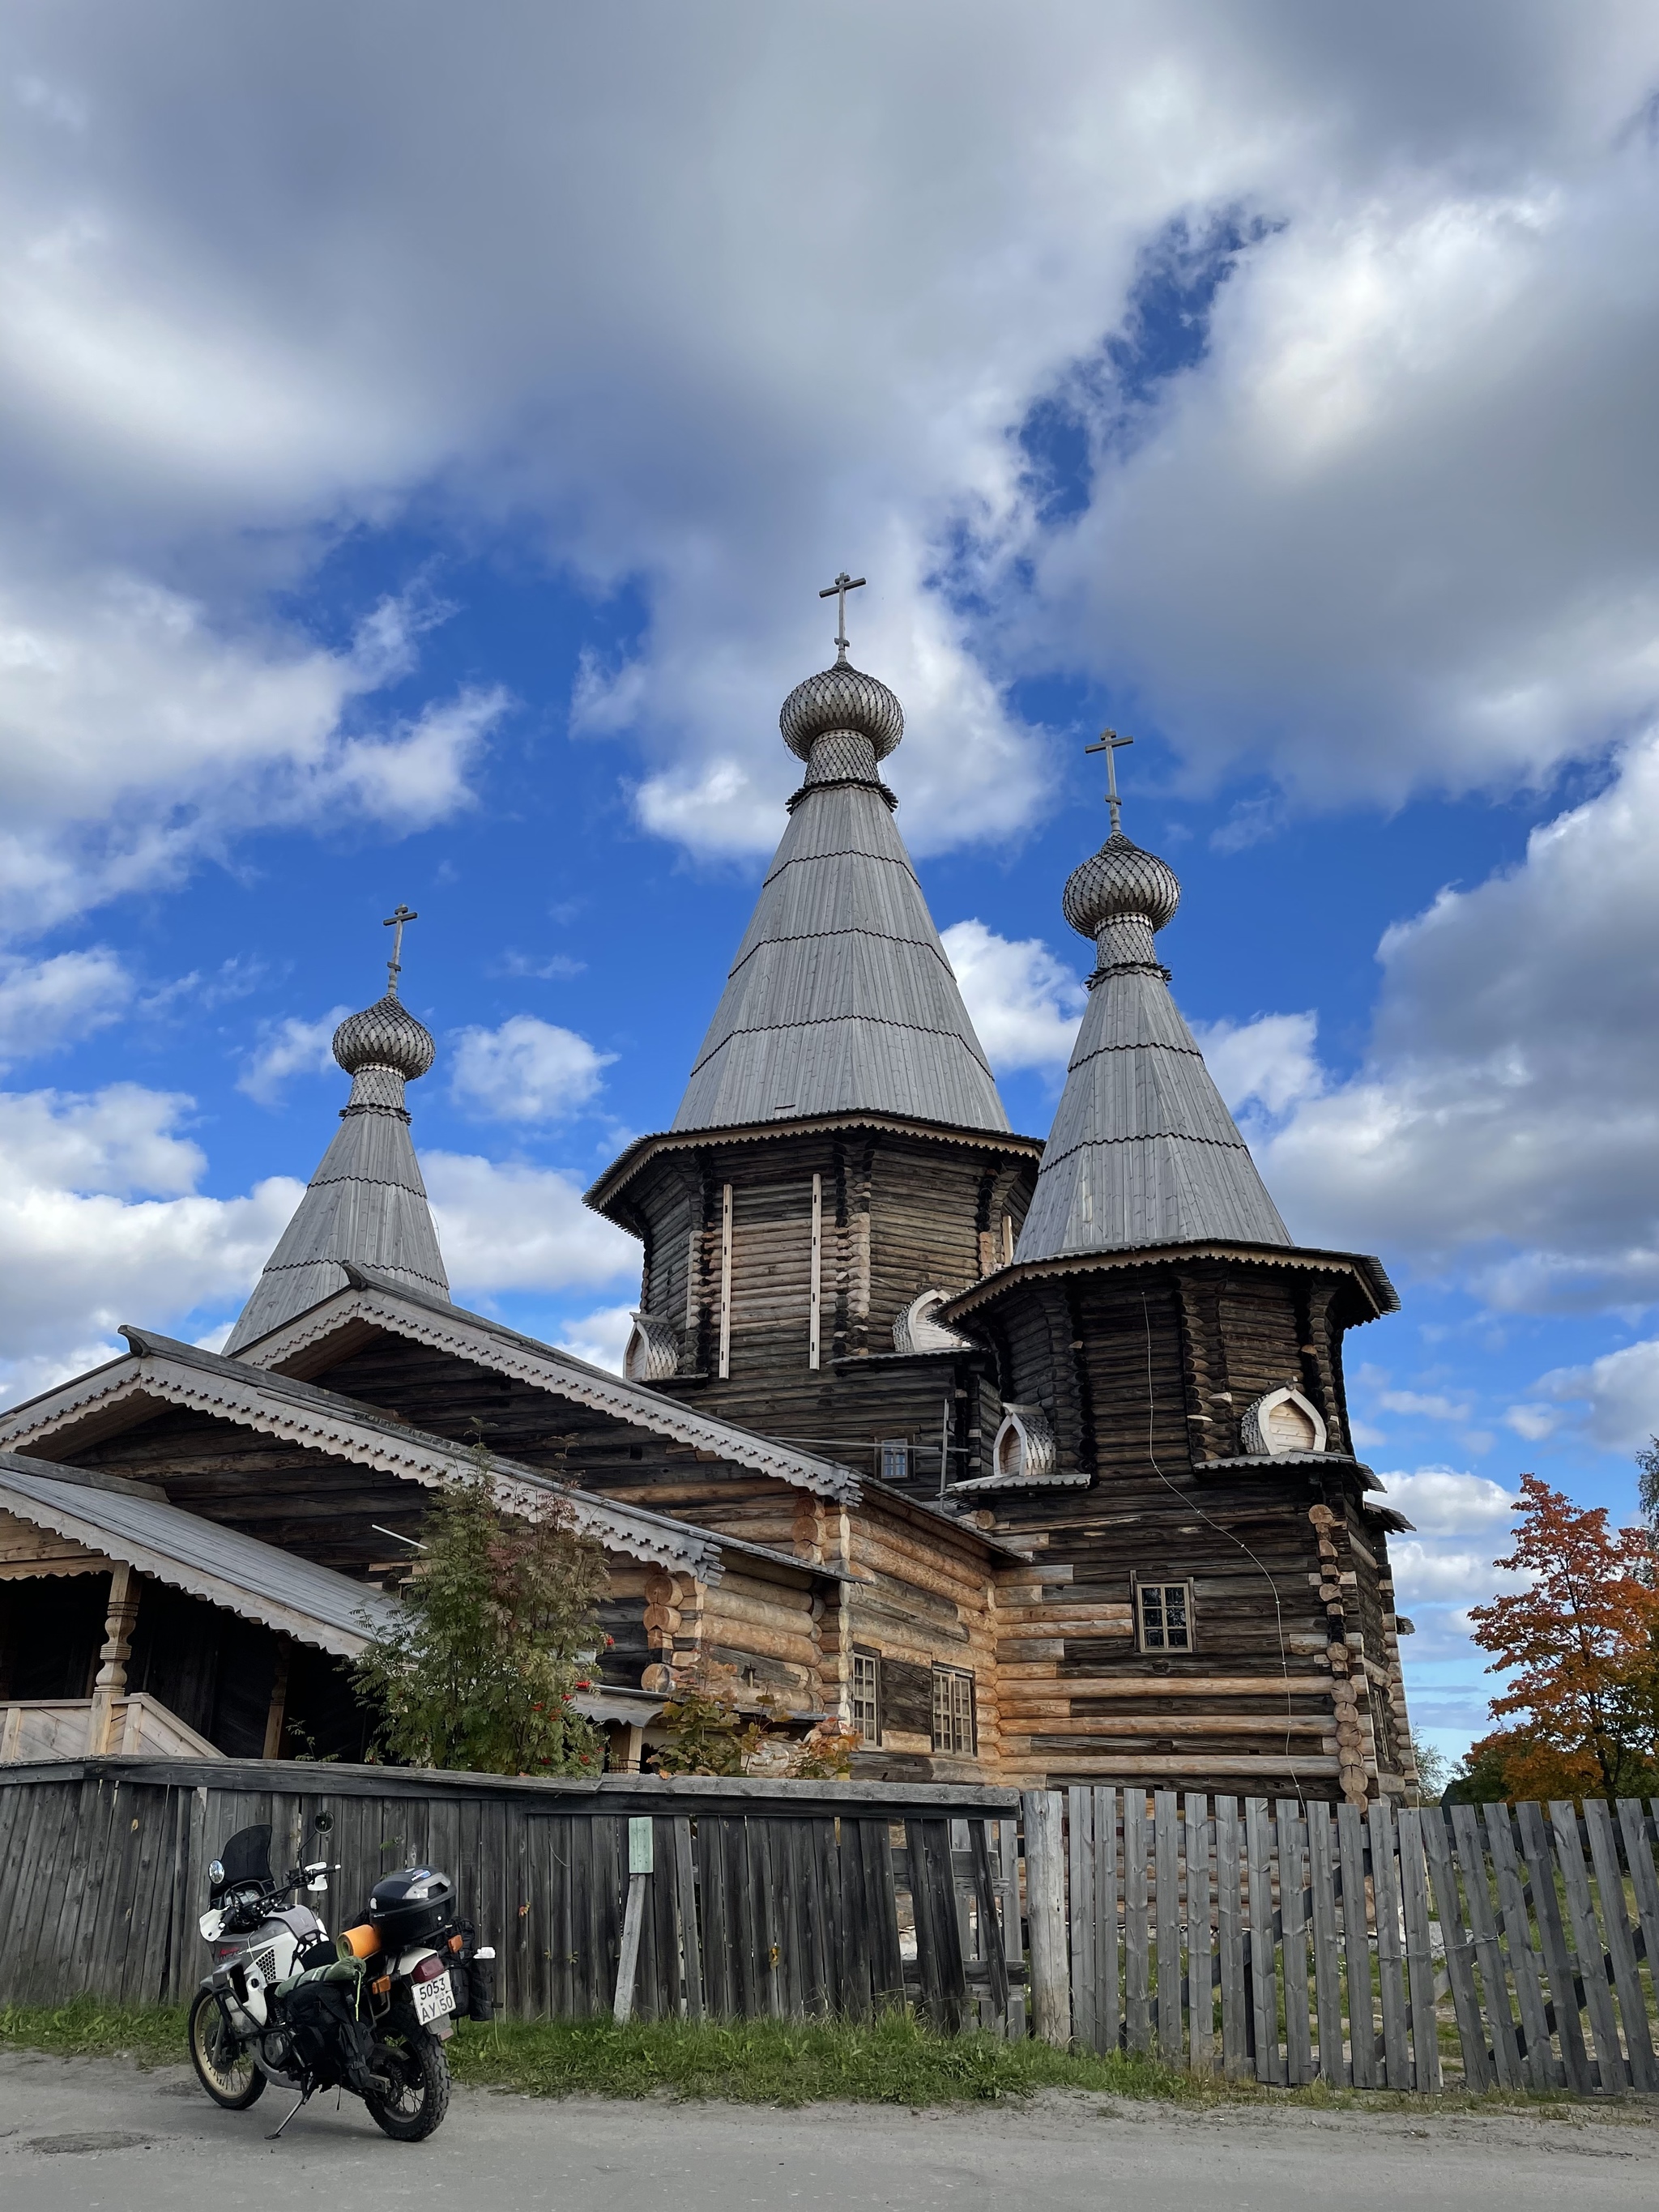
423,436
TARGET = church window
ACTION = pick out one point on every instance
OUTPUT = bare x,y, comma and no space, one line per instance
867,1696
893,1456
953,1710
1283,1420
1163,1612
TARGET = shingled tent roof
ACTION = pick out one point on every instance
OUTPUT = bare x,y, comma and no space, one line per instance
367,1203
840,998
1143,1151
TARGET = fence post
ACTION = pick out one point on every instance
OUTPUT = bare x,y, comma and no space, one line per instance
640,1862
1045,1906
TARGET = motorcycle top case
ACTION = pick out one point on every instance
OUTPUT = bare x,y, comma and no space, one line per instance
411,1907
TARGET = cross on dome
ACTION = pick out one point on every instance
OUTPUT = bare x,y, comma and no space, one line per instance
838,590
394,967
1109,742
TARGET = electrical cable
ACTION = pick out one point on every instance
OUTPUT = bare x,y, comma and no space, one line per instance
1279,1616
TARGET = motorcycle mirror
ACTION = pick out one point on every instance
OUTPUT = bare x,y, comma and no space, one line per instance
324,1824
215,1870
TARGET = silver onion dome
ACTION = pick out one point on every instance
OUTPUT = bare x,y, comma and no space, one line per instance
385,1035
842,699
1117,882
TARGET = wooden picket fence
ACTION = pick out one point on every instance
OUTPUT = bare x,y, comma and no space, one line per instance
1377,1946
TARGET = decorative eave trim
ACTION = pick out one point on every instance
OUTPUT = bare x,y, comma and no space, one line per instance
1264,1462
299,1413
486,1343
1366,1272
611,1185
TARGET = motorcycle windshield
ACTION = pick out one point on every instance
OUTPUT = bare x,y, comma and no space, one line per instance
245,1857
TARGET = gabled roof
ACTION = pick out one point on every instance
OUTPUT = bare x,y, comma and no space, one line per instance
131,1522
374,1299
840,998
160,1371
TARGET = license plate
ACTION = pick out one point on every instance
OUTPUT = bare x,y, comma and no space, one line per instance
434,1999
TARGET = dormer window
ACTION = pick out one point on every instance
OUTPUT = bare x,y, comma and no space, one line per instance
918,1327
1281,1422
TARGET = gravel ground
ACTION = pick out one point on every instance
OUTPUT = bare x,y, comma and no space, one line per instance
91,2135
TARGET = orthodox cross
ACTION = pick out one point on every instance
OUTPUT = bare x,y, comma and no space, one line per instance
394,967
838,590
1109,742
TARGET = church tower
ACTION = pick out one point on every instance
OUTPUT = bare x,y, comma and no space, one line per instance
367,1204
1174,1429
841,1163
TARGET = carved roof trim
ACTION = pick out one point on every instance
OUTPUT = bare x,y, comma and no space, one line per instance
1366,1271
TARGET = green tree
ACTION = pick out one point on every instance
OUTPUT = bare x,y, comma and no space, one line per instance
1648,1489
1433,1769
499,1625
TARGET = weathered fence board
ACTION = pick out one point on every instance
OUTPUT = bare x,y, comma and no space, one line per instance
1310,1935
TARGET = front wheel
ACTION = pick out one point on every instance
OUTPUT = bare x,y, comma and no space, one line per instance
224,2064
418,2073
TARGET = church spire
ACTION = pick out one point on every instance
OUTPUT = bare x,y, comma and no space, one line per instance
367,1203
840,998
1143,1151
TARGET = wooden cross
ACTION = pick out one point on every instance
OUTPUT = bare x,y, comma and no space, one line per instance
1109,742
838,590
394,967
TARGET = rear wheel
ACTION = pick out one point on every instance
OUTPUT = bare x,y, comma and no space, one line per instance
224,2064
418,2073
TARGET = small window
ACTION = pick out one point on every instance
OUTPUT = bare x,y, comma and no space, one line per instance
953,1710
1164,1610
893,1454
867,1696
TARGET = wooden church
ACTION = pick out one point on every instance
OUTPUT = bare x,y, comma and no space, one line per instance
1029,1460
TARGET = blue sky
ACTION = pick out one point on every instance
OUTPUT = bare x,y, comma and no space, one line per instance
422,457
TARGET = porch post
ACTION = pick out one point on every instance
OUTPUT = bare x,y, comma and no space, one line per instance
111,1681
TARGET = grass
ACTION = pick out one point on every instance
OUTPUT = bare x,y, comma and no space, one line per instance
895,2060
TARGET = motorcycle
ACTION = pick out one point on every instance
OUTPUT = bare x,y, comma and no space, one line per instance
370,2014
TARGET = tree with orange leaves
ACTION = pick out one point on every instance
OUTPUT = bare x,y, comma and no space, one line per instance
1580,1646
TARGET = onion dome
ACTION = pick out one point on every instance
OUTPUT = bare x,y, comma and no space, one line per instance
1119,883
841,701
385,1035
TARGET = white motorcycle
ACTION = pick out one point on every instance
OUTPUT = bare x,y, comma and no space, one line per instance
371,2013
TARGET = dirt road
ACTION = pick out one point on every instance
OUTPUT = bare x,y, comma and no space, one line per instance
79,2136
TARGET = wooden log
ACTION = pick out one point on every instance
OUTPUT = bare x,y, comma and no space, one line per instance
1043,1812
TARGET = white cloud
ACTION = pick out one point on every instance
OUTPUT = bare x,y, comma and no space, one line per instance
1269,1062
135,734
1442,1503
1393,523
527,1070
1613,1401
600,1337
1426,1404
44,1003
519,1228
1506,1118
288,1048
100,1222
1025,1007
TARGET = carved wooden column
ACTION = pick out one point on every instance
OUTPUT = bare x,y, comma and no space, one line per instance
110,1683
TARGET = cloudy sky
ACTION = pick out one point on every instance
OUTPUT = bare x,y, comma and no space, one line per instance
423,434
